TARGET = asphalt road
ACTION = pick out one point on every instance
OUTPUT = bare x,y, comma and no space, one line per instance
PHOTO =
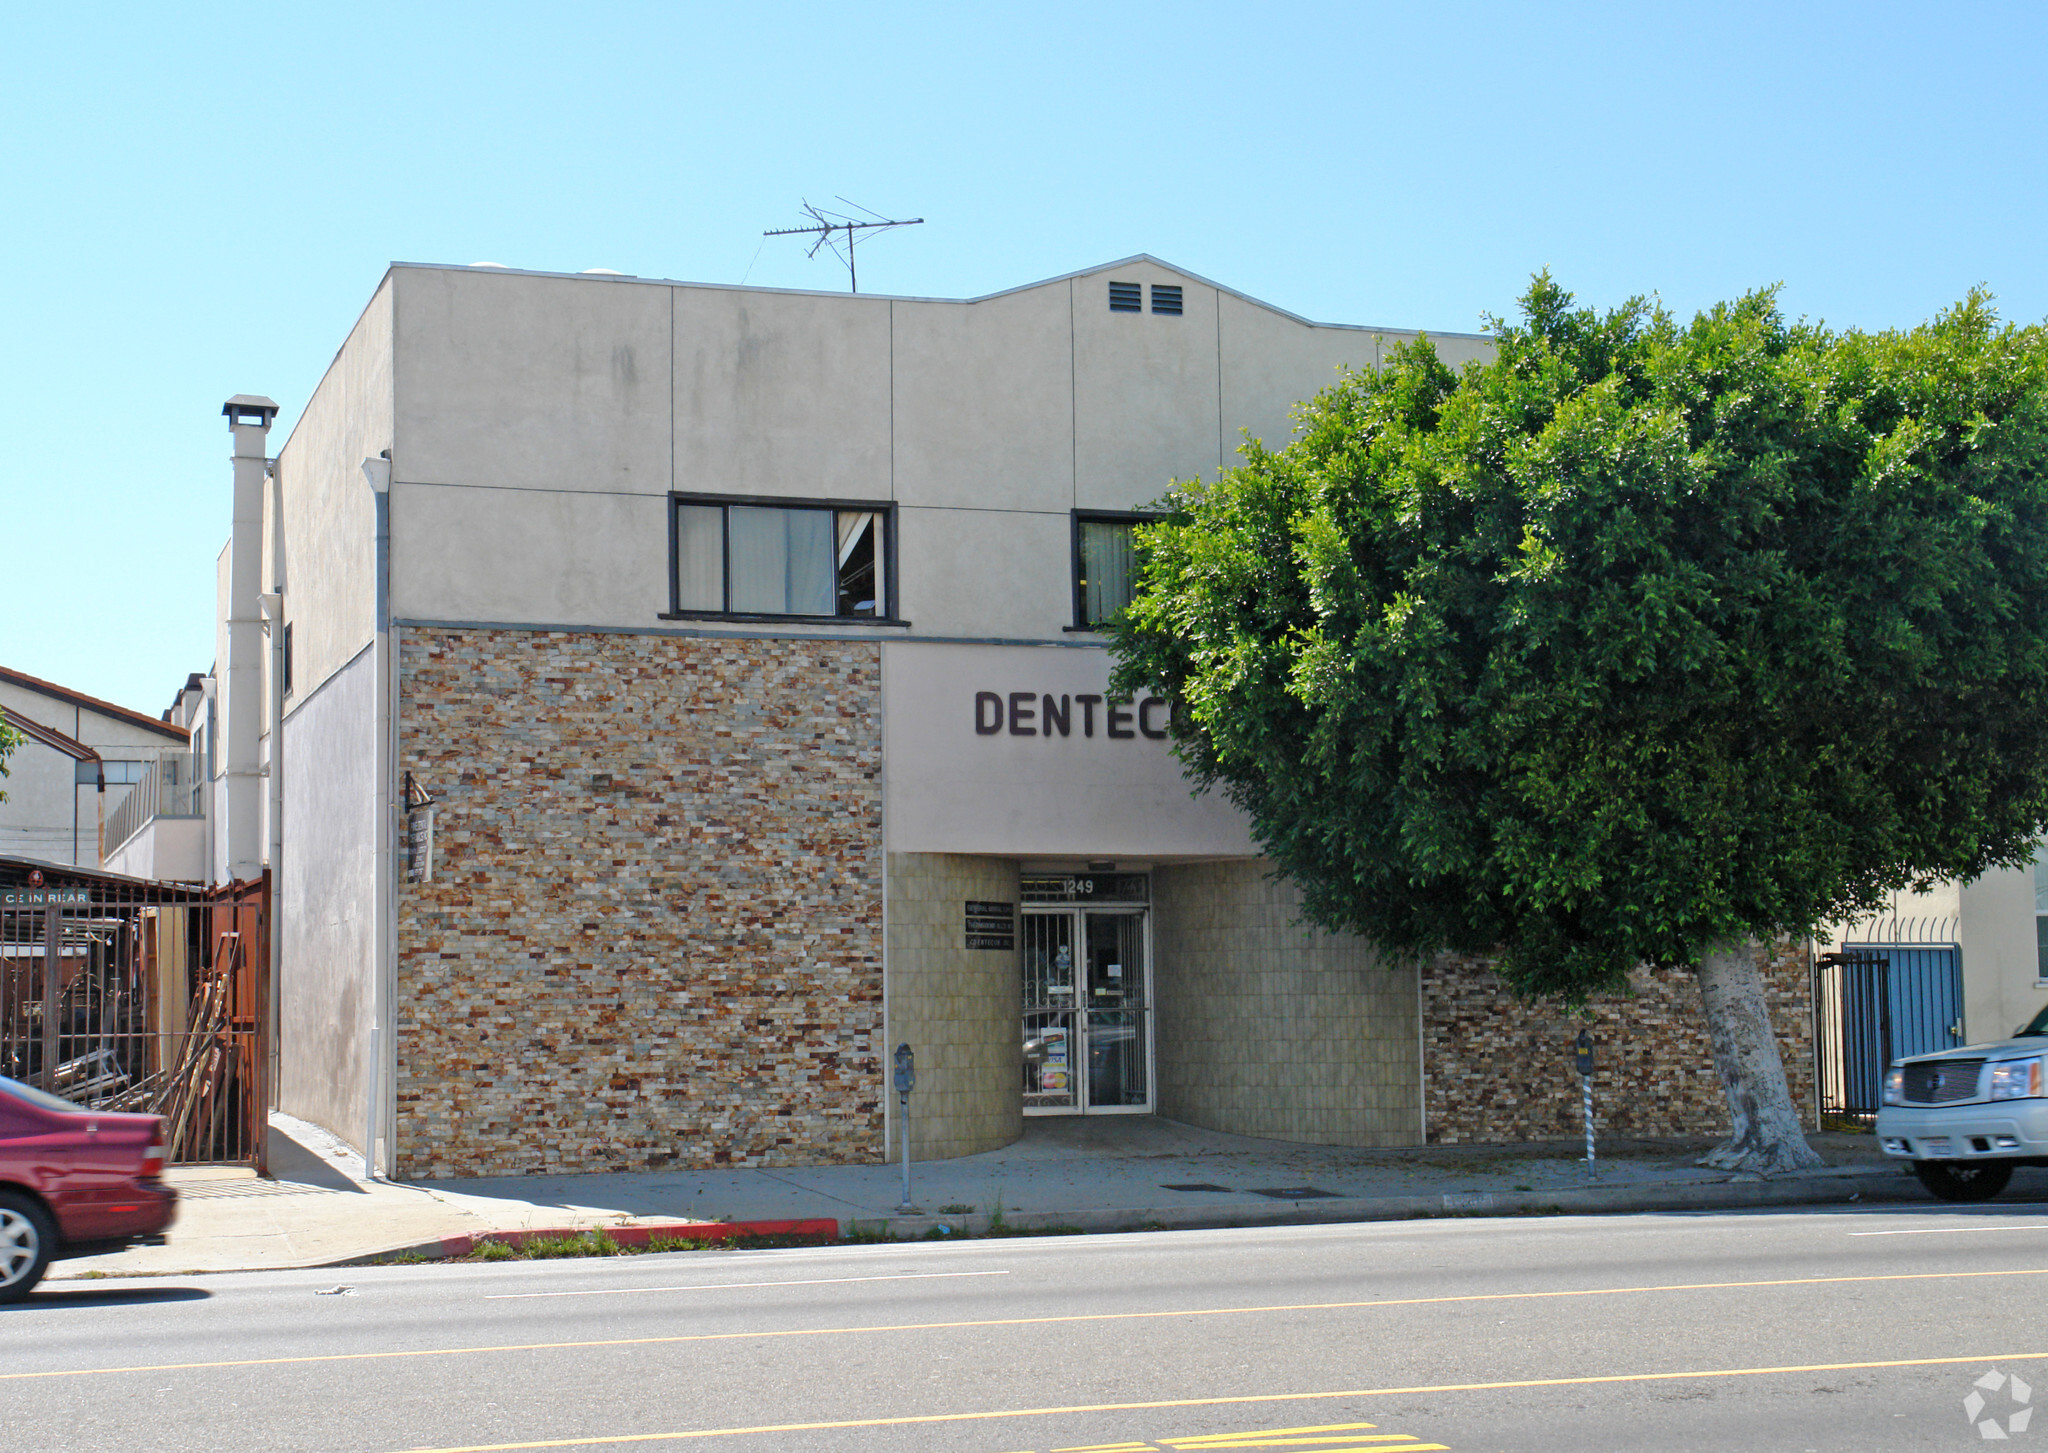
1818,1330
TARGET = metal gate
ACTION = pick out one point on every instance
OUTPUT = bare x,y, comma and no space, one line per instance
1875,1004
122,994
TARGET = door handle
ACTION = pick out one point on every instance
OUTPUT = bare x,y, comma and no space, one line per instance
1956,1029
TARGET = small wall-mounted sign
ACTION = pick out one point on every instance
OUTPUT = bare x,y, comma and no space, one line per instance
419,832
45,897
419,845
991,925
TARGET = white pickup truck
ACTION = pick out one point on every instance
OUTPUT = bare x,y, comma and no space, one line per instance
1968,1117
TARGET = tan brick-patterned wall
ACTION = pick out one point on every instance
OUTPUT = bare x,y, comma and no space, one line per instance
654,934
1268,1027
1499,1069
956,1007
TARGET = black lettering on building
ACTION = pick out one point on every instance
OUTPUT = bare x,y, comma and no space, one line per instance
1056,716
1117,722
1023,711
1088,704
1145,717
988,713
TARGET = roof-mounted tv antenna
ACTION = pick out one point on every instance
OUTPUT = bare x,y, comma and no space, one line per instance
826,226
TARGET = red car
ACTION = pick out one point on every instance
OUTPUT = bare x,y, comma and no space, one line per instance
74,1182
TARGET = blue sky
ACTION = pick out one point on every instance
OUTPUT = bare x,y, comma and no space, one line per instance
199,201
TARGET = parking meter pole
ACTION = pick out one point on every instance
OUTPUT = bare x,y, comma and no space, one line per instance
1582,1056
1586,1084
903,1101
906,1080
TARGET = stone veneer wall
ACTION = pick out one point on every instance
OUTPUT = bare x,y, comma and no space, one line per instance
1500,1068
956,1007
1267,1027
654,933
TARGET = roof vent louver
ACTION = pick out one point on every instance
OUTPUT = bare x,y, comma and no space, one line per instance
1166,298
1126,298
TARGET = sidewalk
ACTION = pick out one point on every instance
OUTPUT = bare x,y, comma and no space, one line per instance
1092,1174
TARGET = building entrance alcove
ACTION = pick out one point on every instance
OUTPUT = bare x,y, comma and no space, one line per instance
1087,994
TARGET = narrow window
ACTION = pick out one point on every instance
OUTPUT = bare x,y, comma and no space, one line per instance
1166,298
700,557
1126,298
761,558
1105,567
288,658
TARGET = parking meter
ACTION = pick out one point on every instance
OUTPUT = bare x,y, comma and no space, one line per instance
1583,1055
906,1081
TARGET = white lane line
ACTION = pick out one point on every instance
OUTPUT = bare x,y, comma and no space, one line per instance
1947,1230
721,1286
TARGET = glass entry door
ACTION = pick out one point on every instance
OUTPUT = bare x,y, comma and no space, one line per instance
1087,1011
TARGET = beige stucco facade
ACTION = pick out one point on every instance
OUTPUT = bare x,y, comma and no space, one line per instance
536,430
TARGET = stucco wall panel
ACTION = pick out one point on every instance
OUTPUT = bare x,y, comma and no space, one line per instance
986,572
781,394
1273,363
1146,405
984,404
330,514
326,900
532,382
2002,986
539,556
653,937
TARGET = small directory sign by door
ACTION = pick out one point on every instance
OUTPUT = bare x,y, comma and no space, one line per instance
991,925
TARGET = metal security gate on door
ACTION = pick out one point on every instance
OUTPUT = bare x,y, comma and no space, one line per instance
127,995
1087,998
1875,1004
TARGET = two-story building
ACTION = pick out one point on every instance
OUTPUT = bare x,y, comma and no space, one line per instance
690,693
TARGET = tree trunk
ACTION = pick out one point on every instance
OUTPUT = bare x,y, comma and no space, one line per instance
1766,1135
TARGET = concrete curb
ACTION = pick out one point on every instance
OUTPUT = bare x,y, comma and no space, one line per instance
1866,1184
1880,1183
447,1248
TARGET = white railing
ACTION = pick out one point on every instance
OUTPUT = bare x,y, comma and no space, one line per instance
170,787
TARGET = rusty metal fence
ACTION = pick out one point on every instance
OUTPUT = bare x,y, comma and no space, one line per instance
123,995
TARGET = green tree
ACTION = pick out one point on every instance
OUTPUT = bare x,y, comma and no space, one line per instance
9,740
1640,643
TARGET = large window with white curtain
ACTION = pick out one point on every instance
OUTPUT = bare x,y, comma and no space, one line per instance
752,557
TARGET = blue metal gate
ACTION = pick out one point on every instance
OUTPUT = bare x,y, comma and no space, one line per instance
1876,1004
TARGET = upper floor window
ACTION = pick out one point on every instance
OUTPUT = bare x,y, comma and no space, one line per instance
808,560
1105,566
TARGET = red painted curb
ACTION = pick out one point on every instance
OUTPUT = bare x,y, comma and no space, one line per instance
822,1228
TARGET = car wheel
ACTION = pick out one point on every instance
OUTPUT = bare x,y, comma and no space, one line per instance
27,1238
1963,1182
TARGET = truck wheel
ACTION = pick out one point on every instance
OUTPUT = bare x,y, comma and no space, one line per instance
26,1240
1961,1181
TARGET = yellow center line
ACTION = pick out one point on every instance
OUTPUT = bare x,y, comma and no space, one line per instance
869,1331
926,1419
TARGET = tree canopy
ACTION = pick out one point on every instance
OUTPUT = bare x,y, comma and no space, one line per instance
1638,639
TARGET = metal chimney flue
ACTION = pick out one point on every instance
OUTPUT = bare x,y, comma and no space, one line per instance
242,812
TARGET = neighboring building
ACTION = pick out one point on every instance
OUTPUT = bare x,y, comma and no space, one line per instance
690,693
163,830
1962,963
80,761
